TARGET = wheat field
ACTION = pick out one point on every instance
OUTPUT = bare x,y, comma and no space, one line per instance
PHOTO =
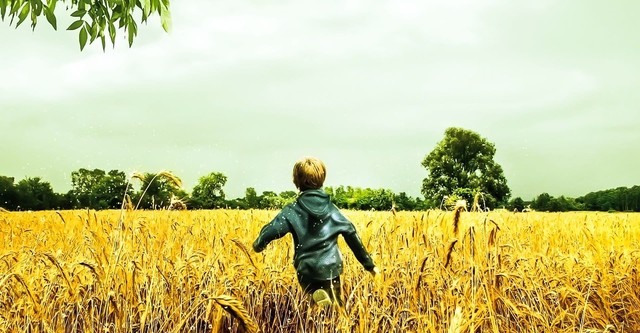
194,271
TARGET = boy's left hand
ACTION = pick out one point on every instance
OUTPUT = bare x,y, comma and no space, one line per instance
377,275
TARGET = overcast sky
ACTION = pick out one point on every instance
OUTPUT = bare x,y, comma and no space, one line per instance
248,87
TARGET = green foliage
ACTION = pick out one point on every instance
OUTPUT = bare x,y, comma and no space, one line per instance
547,203
542,202
8,193
270,200
371,199
463,161
516,204
95,18
405,202
35,194
251,198
97,189
156,191
621,199
208,193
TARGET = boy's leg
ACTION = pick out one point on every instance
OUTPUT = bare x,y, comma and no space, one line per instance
323,292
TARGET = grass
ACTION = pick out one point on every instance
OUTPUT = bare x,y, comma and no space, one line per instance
194,271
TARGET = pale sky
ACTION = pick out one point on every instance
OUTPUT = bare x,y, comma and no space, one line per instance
248,87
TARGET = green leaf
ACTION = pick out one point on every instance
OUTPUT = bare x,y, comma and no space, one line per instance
115,16
34,20
50,17
165,18
3,8
37,5
112,33
52,5
132,33
146,8
155,4
83,38
116,13
79,13
15,7
94,31
102,39
75,25
23,14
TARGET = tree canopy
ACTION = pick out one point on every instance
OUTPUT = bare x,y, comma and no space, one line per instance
157,189
98,189
462,164
209,193
93,19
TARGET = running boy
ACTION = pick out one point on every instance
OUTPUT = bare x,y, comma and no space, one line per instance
315,224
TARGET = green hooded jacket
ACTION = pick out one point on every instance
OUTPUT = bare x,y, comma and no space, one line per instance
315,224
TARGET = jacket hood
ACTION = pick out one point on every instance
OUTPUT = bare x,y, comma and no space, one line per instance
316,202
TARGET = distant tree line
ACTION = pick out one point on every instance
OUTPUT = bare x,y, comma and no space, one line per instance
98,189
620,199
460,171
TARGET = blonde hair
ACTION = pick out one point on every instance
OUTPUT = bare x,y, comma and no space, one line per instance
309,173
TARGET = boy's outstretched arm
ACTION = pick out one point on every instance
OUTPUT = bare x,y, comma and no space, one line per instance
275,229
355,244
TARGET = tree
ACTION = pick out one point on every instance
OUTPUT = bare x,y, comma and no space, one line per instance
270,200
157,189
404,202
36,194
113,189
98,190
463,161
8,193
288,197
208,193
516,204
92,17
542,202
251,198
84,183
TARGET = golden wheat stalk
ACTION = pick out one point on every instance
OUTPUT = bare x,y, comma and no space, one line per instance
62,272
237,310
20,279
230,304
449,251
243,248
456,219
420,272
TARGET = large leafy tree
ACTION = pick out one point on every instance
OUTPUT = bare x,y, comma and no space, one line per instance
97,189
36,194
208,193
251,197
83,185
462,163
93,19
